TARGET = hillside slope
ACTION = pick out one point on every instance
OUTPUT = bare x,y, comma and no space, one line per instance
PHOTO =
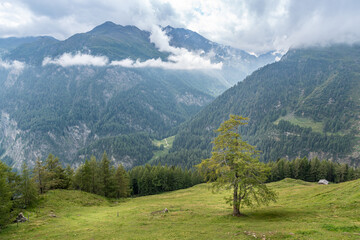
307,104
303,211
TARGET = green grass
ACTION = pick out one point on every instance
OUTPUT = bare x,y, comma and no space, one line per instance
303,211
302,122
167,143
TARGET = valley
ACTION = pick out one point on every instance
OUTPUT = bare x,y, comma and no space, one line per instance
101,90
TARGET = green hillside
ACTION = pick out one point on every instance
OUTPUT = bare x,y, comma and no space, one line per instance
307,104
303,211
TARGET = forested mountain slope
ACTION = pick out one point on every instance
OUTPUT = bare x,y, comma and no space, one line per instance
68,98
307,104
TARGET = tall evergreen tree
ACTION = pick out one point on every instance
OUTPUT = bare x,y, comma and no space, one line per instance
105,175
5,195
55,174
69,176
122,181
94,171
28,189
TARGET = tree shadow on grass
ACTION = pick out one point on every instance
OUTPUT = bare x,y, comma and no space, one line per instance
275,214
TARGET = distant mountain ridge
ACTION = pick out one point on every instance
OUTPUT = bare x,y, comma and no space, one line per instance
77,110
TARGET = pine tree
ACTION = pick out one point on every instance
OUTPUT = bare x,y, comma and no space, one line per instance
122,187
86,177
105,176
69,176
5,195
323,168
94,175
55,174
314,170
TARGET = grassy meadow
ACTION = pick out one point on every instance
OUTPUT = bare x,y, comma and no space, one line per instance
303,211
302,122
167,143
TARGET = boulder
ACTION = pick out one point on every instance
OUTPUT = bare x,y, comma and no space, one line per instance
323,181
52,214
20,218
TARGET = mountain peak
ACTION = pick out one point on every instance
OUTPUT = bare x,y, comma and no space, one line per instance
110,27
108,24
105,26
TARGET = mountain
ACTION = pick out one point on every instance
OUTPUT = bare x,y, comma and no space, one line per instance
67,98
307,104
237,64
8,44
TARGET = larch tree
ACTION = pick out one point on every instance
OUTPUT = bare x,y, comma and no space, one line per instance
39,176
28,187
234,164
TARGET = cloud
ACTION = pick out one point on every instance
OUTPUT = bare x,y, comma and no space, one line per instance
180,58
79,59
14,66
252,25
180,62
263,25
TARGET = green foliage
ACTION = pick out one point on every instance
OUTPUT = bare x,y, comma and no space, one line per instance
122,183
5,195
184,158
234,165
312,170
55,177
27,188
39,176
147,180
105,174
138,147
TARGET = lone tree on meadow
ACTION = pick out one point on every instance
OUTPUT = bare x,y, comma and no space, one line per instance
234,164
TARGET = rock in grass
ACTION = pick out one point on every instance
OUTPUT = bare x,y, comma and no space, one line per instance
20,218
323,181
52,214
161,211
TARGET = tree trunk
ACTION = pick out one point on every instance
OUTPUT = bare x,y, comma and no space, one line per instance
236,205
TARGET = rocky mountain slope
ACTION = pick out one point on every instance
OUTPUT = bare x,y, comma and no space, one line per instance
108,89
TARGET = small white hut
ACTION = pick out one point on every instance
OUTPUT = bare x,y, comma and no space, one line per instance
323,181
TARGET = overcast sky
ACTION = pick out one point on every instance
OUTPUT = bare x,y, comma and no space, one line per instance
251,25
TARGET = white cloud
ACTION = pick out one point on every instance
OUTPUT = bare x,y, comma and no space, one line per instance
14,66
79,59
180,62
179,58
251,25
